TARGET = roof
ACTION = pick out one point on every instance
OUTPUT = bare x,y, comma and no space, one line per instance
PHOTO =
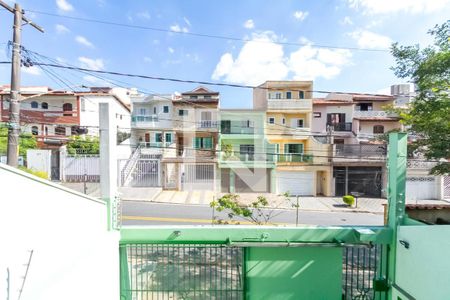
322,101
371,97
200,90
387,119
103,94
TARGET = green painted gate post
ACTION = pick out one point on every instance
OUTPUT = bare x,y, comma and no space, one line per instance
397,155
125,289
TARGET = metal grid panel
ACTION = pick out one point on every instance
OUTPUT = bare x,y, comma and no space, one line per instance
158,271
361,265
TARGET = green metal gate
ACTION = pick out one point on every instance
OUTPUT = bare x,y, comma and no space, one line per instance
181,271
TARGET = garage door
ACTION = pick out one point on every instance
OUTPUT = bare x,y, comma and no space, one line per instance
296,183
197,177
421,188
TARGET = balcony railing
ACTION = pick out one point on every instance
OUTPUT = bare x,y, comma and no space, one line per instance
295,157
373,114
288,104
144,118
160,145
238,130
208,124
359,150
246,157
341,126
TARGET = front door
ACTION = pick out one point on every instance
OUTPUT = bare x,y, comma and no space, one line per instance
55,165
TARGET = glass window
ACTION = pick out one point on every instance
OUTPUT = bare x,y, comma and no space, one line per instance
284,121
293,148
34,104
378,129
182,112
165,109
207,96
154,110
67,108
44,105
317,114
203,142
300,123
34,130
168,138
142,111
193,97
301,94
271,120
60,130
206,116
158,137
277,95
46,130
288,95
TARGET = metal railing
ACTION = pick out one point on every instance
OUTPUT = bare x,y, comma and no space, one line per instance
144,118
130,164
360,150
373,113
295,157
341,126
208,124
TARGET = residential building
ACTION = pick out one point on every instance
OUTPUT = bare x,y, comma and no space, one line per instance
352,124
246,161
53,116
302,166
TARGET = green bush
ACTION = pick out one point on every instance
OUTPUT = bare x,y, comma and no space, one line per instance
349,200
40,174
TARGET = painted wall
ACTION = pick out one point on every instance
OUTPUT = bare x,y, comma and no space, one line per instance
74,257
366,127
294,273
39,160
423,269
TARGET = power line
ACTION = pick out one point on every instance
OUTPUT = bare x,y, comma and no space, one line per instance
213,36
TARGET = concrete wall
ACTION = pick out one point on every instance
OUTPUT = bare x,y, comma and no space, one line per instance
294,273
423,268
39,160
74,256
366,127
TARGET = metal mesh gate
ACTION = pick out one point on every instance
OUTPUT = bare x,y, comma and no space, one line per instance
361,265
158,271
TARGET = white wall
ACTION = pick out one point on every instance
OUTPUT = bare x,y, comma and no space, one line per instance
39,160
75,257
89,115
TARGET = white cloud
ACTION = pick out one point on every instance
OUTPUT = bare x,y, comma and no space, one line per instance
64,5
261,59
371,40
33,70
178,28
394,6
186,20
84,41
143,15
96,80
61,29
249,24
171,50
300,15
91,63
346,21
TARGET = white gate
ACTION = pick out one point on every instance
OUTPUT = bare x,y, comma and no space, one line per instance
81,168
197,177
446,187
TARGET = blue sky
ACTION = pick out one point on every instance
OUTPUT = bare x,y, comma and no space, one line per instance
369,24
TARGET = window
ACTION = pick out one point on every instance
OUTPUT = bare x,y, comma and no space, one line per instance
271,120
83,104
154,110
46,130
277,95
142,111
34,104
67,108
207,97
60,130
206,116
284,121
378,129
203,142
333,119
300,123
317,115
158,137
168,138
165,109
364,107
182,112
44,105
34,130
193,97
301,94
288,95
293,148
247,151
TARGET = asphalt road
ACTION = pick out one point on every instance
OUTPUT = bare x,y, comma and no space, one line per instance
148,213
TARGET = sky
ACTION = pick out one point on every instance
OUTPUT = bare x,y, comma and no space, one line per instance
265,40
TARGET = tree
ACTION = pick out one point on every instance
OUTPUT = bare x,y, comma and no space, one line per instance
83,145
26,141
428,114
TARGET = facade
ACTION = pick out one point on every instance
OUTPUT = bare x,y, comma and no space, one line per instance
301,162
247,160
53,116
351,124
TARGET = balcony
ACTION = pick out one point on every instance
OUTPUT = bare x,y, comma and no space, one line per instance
346,127
208,124
289,104
359,152
295,158
373,114
150,121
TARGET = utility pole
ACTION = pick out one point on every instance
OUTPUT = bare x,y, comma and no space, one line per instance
14,104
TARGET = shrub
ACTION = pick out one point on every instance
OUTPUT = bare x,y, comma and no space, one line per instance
40,174
349,200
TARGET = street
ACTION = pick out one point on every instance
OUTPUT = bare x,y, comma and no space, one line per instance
148,213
